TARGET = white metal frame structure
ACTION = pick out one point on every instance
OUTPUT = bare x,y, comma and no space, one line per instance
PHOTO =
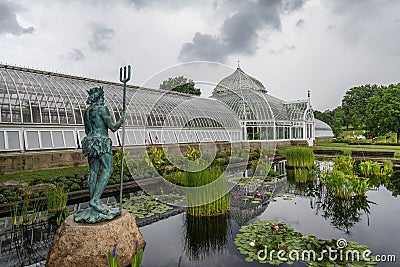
262,116
41,110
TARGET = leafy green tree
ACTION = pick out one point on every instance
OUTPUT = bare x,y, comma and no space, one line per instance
335,119
180,84
383,111
354,104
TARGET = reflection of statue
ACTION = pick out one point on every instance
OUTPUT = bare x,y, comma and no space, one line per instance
97,147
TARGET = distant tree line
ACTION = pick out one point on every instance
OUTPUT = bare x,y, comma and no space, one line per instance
374,108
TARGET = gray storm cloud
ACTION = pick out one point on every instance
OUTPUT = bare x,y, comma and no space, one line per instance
239,32
8,20
76,55
101,37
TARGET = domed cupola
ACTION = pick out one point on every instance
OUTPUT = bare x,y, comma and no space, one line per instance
238,81
245,95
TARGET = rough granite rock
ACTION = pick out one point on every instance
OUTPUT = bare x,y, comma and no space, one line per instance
82,244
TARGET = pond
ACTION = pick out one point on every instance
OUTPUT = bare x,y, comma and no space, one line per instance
174,236
375,222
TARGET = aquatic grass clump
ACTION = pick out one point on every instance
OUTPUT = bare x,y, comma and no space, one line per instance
345,186
206,194
27,212
345,164
299,156
374,169
274,243
56,199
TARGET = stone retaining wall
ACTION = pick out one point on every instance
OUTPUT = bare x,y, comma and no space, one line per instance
28,161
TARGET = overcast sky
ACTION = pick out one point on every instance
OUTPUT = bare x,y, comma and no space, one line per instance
290,46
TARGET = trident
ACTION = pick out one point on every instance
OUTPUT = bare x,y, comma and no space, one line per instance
124,80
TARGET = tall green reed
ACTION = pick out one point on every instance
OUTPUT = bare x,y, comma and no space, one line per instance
298,156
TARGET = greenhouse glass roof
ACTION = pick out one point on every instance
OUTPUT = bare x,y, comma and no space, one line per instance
249,99
38,97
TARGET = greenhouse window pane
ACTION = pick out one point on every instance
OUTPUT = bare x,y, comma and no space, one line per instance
32,139
69,139
57,139
181,137
113,138
78,116
5,113
2,141
129,138
36,114
82,135
16,115
168,137
140,137
13,140
46,139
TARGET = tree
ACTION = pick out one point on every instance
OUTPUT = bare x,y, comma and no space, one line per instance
383,111
180,84
354,104
334,118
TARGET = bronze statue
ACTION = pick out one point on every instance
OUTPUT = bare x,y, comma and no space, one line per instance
97,147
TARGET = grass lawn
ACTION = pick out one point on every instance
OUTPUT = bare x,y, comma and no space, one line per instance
43,175
347,146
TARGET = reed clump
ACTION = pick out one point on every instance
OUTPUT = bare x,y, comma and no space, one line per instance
298,156
56,199
210,197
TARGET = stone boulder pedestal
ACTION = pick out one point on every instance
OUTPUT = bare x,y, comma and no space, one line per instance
82,244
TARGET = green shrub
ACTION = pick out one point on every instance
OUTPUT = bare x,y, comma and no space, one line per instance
343,185
117,158
345,164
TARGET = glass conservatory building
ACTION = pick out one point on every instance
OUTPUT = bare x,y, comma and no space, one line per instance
41,110
262,116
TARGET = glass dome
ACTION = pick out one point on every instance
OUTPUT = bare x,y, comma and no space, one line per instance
263,117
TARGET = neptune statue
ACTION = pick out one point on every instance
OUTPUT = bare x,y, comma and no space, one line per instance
97,147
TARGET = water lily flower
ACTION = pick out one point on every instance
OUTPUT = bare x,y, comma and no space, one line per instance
276,227
252,243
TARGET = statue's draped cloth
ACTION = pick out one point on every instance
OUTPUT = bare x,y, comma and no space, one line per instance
94,146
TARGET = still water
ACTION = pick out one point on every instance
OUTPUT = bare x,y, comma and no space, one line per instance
374,222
